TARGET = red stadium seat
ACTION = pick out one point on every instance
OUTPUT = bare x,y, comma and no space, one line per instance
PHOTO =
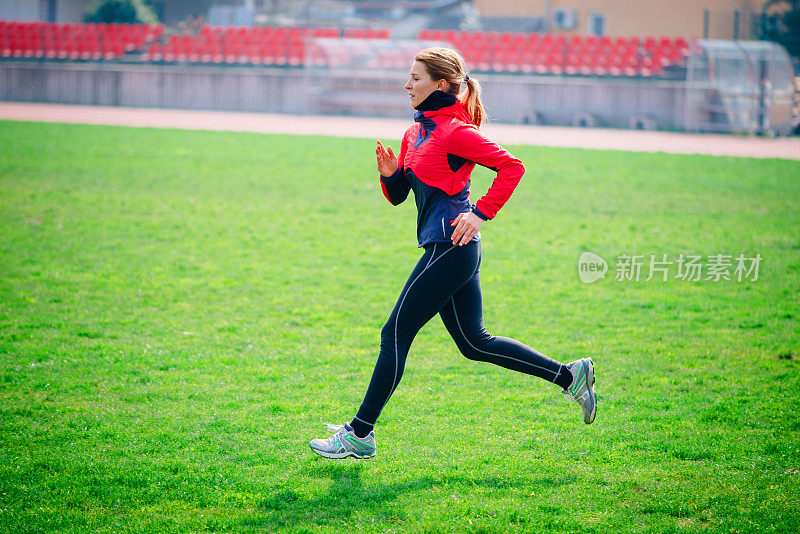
587,64
571,64
296,54
656,69
153,53
600,65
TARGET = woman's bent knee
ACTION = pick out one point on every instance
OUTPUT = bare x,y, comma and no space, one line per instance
472,347
471,352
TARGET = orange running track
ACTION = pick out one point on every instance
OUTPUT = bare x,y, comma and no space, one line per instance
375,128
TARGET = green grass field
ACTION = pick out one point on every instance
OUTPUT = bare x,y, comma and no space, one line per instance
181,312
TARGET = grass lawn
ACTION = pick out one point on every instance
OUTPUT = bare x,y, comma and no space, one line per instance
181,312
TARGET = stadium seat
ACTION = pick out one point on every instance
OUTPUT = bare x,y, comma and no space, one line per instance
599,65
367,33
655,69
296,53
153,53
326,32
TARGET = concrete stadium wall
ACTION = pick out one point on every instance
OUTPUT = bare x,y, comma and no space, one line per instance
625,103
231,89
516,99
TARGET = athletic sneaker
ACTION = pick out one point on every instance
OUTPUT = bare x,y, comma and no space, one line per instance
344,443
582,388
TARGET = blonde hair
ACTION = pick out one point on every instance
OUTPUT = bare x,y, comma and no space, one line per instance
448,65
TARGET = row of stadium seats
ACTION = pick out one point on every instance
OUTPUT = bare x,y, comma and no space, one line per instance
250,34
483,51
515,39
216,44
74,41
257,45
562,54
266,45
277,45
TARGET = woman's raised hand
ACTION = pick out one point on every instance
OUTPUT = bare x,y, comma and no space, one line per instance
387,162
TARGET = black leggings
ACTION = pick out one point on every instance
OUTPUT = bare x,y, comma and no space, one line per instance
445,281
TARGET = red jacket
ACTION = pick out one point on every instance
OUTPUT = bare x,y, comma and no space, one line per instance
436,160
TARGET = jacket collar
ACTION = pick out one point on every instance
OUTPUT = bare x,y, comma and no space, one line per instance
440,103
436,100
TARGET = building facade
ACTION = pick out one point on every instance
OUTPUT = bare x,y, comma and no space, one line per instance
49,10
714,19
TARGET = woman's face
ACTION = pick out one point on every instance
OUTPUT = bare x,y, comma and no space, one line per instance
420,84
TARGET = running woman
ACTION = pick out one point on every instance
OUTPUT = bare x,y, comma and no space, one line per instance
437,156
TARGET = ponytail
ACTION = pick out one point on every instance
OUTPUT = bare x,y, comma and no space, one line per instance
447,64
471,98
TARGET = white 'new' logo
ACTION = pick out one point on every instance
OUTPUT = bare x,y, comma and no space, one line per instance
591,267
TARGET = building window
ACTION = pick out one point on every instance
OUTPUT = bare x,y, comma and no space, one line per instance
597,24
